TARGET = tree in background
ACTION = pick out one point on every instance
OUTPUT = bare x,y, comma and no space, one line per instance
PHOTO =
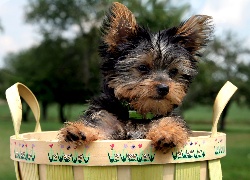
77,17
66,69
64,66
52,70
244,84
60,16
1,27
157,14
223,61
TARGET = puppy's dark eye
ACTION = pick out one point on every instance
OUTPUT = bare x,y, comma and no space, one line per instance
143,68
173,72
187,77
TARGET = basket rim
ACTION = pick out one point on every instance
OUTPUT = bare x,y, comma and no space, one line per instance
23,136
113,152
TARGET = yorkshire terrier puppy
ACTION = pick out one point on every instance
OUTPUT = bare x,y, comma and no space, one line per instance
146,72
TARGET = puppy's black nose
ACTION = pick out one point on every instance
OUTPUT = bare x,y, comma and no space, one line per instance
162,89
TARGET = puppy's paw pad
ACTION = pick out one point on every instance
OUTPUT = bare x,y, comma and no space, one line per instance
71,136
164,145
79,134
72,133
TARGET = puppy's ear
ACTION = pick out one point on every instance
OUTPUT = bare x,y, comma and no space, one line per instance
118,25
194,33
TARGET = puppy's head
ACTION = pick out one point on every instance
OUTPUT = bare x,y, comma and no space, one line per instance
151,71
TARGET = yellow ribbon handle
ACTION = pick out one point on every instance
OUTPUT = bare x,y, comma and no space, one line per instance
13,95
220,103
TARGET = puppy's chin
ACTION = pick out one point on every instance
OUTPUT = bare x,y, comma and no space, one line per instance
156,106
149,105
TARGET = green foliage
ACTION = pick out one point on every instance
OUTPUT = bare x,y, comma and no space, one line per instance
65,69
156,14
60,15
222,62
244,83
1,27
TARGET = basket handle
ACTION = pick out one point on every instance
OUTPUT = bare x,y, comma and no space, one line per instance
220,102
13,95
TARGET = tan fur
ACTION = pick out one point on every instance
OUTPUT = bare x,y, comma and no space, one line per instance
142,96
168,132
122,24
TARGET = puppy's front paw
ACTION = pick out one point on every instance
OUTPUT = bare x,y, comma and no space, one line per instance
78,133
168,133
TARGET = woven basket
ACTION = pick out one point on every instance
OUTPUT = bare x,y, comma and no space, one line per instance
39,155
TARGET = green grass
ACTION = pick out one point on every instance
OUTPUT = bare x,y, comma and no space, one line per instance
235,165
201,114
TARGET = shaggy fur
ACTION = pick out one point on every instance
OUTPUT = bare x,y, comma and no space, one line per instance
145,72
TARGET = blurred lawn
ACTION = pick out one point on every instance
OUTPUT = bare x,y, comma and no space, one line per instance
236,165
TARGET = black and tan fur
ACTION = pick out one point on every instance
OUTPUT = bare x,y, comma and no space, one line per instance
146,72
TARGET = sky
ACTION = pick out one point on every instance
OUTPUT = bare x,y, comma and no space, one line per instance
227,14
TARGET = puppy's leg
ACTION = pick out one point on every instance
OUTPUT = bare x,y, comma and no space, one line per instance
99,126
168,132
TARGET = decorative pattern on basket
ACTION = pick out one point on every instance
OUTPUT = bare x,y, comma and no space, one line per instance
23,152
201,147
132,153
220,148
77,158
